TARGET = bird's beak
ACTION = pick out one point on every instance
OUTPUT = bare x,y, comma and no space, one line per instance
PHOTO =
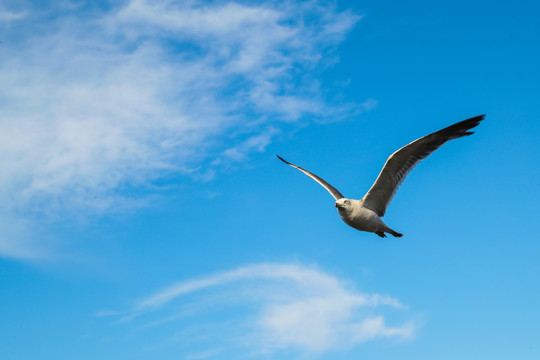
337,206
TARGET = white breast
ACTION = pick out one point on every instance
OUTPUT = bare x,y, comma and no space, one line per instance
361,218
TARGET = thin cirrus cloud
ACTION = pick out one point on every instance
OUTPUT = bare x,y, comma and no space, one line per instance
267,308
98,101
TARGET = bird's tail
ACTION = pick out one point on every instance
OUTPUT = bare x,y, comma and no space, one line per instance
394,233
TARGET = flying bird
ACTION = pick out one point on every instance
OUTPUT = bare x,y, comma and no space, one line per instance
365,214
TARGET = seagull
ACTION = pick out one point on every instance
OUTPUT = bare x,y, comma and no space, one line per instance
365,214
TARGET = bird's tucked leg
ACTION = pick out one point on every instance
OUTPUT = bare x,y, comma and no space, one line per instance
381,234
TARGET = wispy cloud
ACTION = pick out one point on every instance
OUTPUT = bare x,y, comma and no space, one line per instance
255,143
273,307
98,101
7,16
17,240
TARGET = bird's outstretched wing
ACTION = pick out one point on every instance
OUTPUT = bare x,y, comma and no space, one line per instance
400,163
332,190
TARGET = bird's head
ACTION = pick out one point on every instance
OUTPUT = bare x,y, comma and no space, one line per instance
343,204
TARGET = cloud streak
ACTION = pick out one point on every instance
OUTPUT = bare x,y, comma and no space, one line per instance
96,105
279,307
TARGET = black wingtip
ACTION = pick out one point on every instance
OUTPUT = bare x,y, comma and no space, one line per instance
282,159
480,117
475,120
461,128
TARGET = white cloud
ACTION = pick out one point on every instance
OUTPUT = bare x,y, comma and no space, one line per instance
7,16
255,143
204,354
17,241
277,306
95,104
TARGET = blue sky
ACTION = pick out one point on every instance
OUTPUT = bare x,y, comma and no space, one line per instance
144,214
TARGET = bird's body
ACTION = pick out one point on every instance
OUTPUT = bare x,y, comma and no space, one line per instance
365,214
356,215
